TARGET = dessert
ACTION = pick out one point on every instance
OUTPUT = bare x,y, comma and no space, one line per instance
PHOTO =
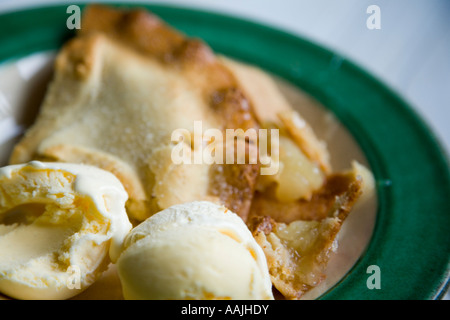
122,86
300,237
296,214
60,227
196,250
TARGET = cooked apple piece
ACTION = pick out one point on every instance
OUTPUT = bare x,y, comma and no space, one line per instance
305,137
339,193
298,177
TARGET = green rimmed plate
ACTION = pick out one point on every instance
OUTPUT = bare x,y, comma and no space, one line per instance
410,239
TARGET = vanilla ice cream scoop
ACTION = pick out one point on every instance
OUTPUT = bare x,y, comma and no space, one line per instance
196,250
60,226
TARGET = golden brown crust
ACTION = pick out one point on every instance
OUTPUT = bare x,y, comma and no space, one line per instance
294,271
77,58
272,109
72,68
93,57
136,28
297,238
150,36
234,184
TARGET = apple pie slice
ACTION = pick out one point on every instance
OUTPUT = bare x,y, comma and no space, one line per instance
298,238
120,89
297,213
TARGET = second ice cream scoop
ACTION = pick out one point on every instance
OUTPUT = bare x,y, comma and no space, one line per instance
196,250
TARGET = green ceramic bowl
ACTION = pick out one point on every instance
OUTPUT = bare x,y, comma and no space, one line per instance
410,243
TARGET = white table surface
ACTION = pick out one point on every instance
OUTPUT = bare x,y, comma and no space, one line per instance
410,53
